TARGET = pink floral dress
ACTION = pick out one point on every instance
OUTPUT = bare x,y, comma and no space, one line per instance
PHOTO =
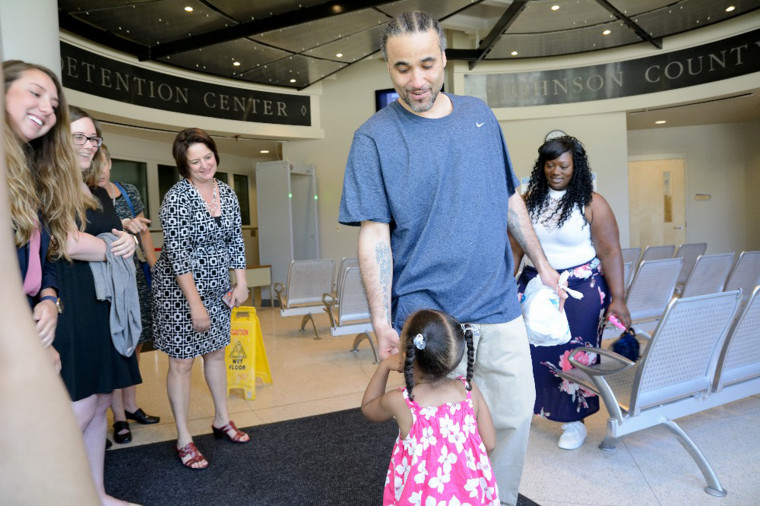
442,460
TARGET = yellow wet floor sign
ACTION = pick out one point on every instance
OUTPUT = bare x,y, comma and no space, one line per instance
245,356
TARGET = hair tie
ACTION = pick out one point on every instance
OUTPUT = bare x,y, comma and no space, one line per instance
419,342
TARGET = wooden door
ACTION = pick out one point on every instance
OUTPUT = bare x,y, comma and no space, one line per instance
657,202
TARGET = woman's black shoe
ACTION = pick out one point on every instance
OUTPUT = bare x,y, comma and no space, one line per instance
109,444
121,438
139,416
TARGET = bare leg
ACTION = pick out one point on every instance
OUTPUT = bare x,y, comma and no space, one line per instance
178,387
129,394
90,413
215,371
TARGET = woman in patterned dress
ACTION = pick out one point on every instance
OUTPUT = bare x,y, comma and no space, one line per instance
445,427
579,234
192,298
124,402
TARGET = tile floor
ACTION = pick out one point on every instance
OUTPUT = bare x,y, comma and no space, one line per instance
319,376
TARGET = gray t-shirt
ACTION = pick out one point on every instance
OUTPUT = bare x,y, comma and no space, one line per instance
443,187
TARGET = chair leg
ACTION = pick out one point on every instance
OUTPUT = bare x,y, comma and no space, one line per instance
358,339
307,318
713,485
608,443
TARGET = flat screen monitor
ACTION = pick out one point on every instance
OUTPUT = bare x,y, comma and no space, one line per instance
384,97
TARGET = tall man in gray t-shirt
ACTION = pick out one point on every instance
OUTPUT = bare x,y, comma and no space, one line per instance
430,182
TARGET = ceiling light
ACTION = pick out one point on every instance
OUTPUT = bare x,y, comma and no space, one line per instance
555,7
264,151
188,9
237,63
339,55
513,53
660,122
292,80
607,32
730,8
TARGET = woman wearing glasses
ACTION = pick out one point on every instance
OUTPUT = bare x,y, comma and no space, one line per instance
91,367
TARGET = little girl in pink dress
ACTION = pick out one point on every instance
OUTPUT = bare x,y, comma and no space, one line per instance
445,428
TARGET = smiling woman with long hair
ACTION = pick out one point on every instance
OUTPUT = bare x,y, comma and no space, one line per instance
579,235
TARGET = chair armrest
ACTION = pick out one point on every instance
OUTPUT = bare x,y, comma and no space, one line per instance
278,289
329,301
621,364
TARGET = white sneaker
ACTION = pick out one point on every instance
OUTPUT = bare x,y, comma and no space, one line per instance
573,436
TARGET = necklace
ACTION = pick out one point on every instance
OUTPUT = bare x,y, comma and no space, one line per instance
214,205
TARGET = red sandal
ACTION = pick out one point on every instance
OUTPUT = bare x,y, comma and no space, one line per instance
193,456
224,431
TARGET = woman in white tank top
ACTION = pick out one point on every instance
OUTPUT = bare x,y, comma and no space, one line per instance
579,234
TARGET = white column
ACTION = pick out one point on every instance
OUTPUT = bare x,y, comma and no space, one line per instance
29,32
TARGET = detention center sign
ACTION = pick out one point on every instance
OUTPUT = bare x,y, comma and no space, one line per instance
100,76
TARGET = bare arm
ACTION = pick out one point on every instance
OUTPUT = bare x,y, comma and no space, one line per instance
378,406
198,313
88,248
521,232
606,238
376,264
240,291
485,422
139,226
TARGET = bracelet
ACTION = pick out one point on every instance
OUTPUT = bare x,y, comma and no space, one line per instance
49,297
137,241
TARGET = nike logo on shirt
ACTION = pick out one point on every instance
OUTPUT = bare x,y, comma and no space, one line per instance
479,124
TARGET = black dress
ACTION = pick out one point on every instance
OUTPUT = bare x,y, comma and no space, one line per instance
89,362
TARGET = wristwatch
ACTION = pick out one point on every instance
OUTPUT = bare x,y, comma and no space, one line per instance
55,299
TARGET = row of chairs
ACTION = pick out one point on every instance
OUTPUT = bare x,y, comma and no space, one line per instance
700,355
313,287
689,252
655,282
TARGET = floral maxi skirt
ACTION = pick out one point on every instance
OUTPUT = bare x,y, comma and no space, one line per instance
557,399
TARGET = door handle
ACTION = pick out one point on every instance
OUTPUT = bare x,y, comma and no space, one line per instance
680,227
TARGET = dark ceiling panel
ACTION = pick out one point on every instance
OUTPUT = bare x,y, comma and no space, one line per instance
153,23
538,17
439,9
300,38
300,69
353,48
219,59
257,9
691,14
577,40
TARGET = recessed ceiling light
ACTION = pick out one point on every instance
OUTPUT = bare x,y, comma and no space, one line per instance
660,122
730,8
188,9
264,151
292,80
607,32
555,7
513,53
339,55
237,63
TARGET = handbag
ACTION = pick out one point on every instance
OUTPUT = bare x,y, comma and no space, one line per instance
144,265
627,345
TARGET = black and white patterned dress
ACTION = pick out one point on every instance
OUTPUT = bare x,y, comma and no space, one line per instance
209,247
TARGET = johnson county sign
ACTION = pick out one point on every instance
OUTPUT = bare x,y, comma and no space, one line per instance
94,74
732,57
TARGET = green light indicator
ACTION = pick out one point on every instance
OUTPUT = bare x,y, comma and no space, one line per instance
290,195
316,198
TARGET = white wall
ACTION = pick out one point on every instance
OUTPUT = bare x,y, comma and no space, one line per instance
720,161
347,101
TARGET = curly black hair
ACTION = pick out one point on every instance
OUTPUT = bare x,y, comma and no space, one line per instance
580,189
